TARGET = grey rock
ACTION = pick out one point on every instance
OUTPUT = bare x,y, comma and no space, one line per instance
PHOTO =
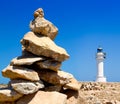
56,78
49,64
26,87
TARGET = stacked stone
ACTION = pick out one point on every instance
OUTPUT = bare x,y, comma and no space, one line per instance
38,69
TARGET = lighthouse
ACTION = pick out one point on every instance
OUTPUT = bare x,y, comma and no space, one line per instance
100,57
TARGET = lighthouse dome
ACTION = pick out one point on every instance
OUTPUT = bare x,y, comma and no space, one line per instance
99,50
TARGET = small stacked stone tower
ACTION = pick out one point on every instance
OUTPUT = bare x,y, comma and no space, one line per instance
37,70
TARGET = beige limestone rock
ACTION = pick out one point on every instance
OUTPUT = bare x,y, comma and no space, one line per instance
42,97
43,46
56,78
7,95
42,62
49,64
91,86
72,97
108,93
39,13
15,72
73,85
24,60
26,87
42,26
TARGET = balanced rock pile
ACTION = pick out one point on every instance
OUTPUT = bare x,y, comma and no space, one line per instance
35,77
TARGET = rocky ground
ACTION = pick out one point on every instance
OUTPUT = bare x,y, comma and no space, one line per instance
99,93
93,93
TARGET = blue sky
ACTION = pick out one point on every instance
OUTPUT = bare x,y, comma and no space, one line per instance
83,26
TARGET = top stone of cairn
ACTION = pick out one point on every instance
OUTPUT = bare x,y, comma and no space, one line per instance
42,26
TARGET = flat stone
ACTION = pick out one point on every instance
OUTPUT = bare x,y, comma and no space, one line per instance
43,46
42,97
26,87
8,95
24,60
49,64
73,85
56,78
15,72
42,26
41,62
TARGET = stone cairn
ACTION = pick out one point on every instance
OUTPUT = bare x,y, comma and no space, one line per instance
35,76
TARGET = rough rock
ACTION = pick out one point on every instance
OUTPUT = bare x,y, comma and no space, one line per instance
7,95
73,85
43,46
42,97
41,62
72,97
24,60
57,88
15,72
39,13
49,64
91,86
56,78
35,77
26,87
99,93
27,53
42,26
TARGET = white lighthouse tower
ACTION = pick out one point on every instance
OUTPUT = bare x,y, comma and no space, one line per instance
100,56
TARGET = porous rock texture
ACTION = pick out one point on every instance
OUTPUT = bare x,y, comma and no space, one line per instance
8,95
99,93
42,26
89,93
19,72
35,76
42,97
43,46
22,60
26,87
